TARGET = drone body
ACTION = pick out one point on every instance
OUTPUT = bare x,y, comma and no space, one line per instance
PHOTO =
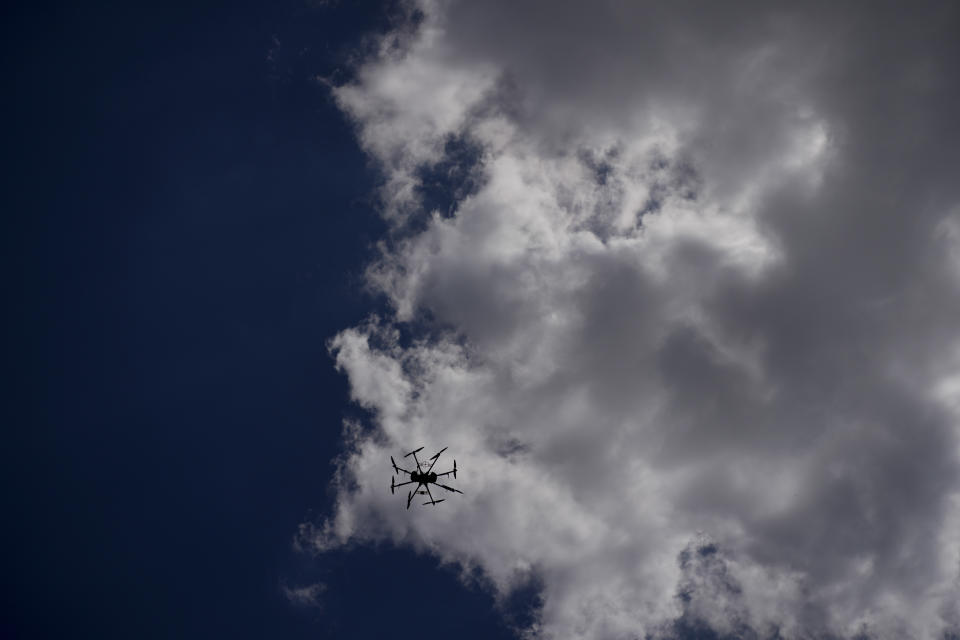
423,478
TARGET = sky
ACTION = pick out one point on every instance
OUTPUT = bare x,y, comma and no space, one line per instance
677,284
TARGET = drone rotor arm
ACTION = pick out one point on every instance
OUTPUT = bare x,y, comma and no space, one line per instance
435,457
410,496
414,454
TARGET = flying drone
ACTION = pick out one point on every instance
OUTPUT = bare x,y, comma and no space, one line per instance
423,478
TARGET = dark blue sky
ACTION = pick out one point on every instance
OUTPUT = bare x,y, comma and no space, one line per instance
187,217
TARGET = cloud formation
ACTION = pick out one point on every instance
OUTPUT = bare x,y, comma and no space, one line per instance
690,321
304,596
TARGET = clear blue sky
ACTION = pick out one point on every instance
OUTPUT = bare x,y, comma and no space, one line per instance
188,217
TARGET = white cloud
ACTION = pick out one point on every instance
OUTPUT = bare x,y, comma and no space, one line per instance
687,325
305,596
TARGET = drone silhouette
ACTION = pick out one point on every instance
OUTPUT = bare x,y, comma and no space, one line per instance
423,478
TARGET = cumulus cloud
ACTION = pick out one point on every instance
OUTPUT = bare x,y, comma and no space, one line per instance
689,322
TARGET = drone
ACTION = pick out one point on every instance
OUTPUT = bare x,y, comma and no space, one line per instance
423,478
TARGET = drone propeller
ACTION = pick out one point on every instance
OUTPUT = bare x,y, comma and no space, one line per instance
413,452
393,462
449,488
434,501
454,468
434,459
409,498
392,486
